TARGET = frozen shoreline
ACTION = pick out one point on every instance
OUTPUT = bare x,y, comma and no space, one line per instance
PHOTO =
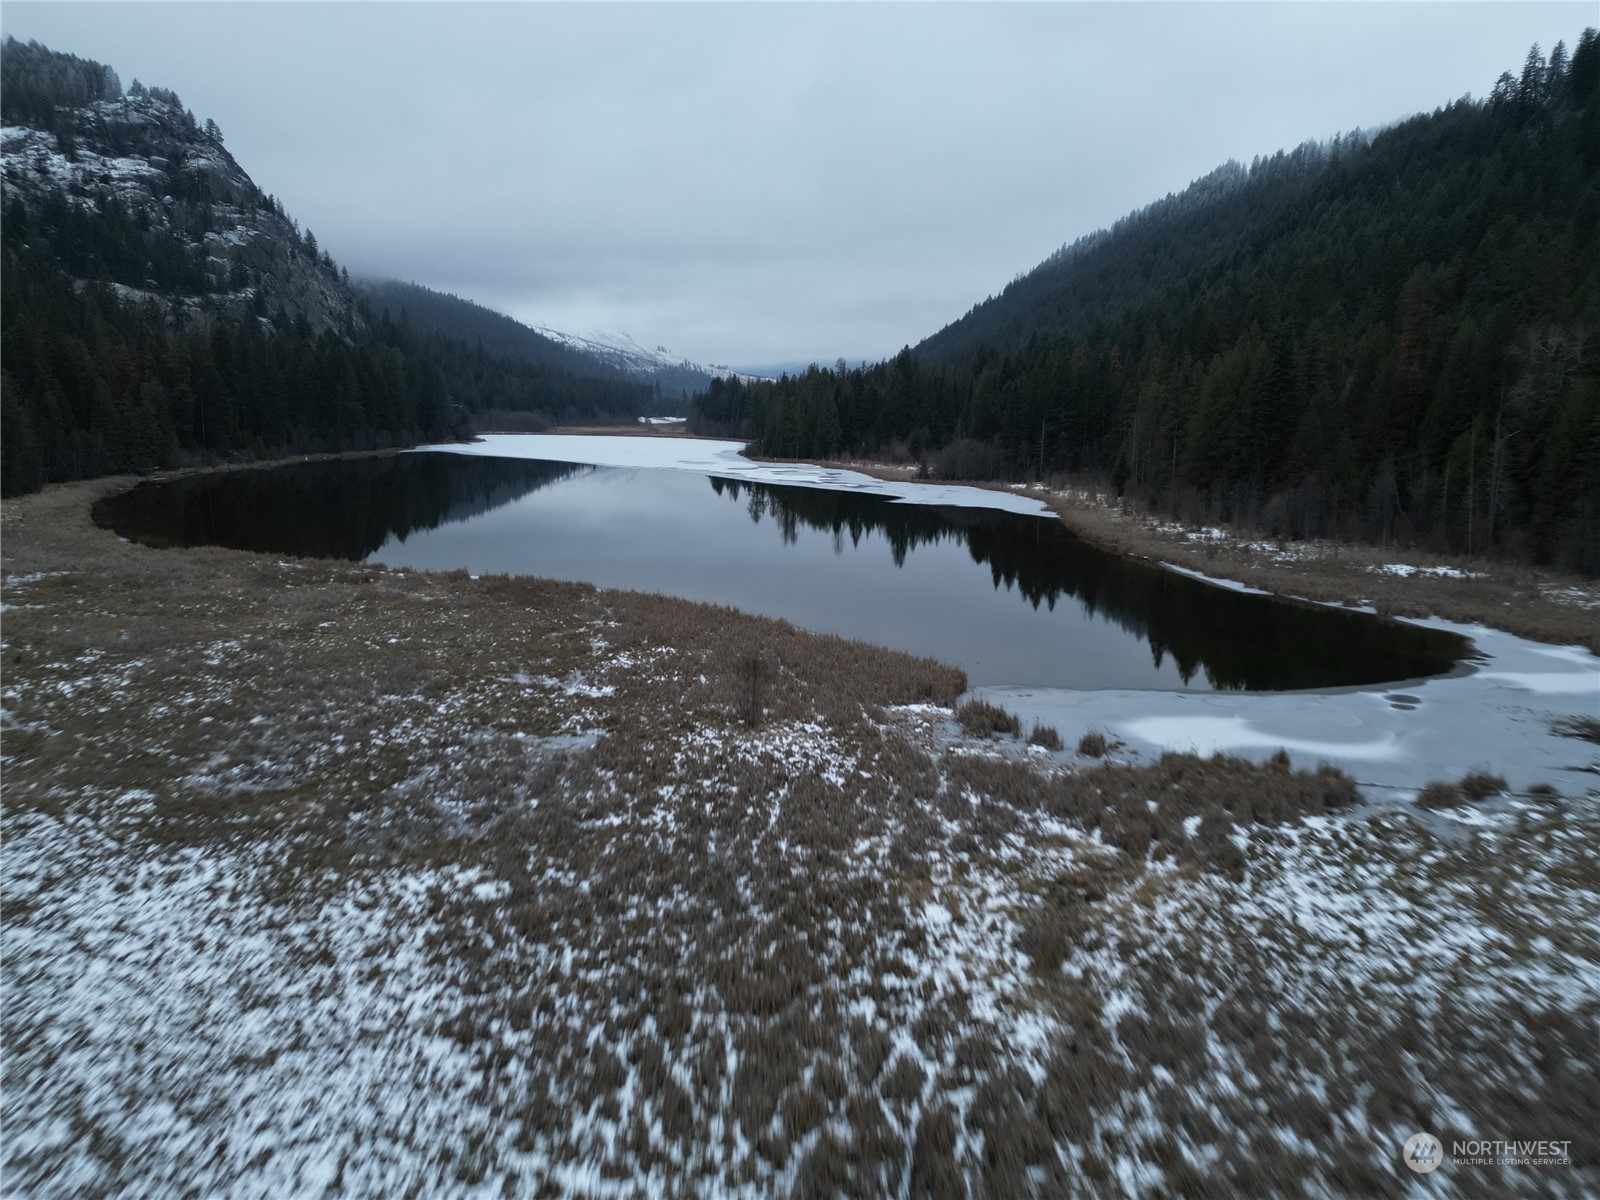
1396,737
1496,717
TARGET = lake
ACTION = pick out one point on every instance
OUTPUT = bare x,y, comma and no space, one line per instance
1011,598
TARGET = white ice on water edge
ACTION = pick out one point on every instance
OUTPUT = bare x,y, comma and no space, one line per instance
723,459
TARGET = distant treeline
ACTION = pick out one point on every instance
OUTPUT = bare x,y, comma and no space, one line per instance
1388,339
43,88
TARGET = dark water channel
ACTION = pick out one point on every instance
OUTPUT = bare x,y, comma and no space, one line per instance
1012,599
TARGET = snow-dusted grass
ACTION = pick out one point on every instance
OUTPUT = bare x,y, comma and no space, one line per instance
174,1024
322,877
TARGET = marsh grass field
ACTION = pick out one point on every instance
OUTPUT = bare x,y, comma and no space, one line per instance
326,879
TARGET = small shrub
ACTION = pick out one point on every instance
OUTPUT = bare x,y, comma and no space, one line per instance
1046,736
872,1048
824,1171
1480,785
982,719
1440,795
803,1111
1585,728
1046,938
1093,744
1332,788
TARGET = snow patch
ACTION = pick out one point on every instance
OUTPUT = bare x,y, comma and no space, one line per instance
1406,570
1211,735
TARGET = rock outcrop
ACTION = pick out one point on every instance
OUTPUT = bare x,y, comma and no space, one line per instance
146,155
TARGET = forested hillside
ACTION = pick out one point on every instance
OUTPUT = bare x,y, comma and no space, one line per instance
93,385
672,379
157,307
429,311
1389,338
501,389
506,374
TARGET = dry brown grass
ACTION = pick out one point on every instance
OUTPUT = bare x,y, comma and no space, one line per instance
1046,736
1584,728
1473,788
1480,785
1439,794
1525,601
982,719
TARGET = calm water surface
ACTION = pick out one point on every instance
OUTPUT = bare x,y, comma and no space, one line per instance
1012,599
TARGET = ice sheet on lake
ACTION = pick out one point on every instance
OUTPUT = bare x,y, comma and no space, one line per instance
1401,736
706,456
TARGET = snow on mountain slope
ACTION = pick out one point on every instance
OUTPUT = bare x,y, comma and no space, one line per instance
144,155
622,352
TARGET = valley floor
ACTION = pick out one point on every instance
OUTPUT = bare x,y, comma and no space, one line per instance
320,877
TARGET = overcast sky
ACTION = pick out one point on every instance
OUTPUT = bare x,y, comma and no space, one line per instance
767,183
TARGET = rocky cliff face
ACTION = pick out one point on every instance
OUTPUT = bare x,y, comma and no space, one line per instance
145,158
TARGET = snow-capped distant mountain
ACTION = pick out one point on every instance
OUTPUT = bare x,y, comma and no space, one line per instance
627,355
602,355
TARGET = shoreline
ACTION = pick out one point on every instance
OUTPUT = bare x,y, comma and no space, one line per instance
1394,737
1501,713
1529,602
1502,716
1526,601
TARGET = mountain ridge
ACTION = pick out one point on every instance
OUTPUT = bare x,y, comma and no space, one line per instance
601,354
158,308
628,355
1379,339
474,323
142,157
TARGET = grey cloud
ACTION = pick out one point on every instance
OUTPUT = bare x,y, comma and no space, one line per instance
747,182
